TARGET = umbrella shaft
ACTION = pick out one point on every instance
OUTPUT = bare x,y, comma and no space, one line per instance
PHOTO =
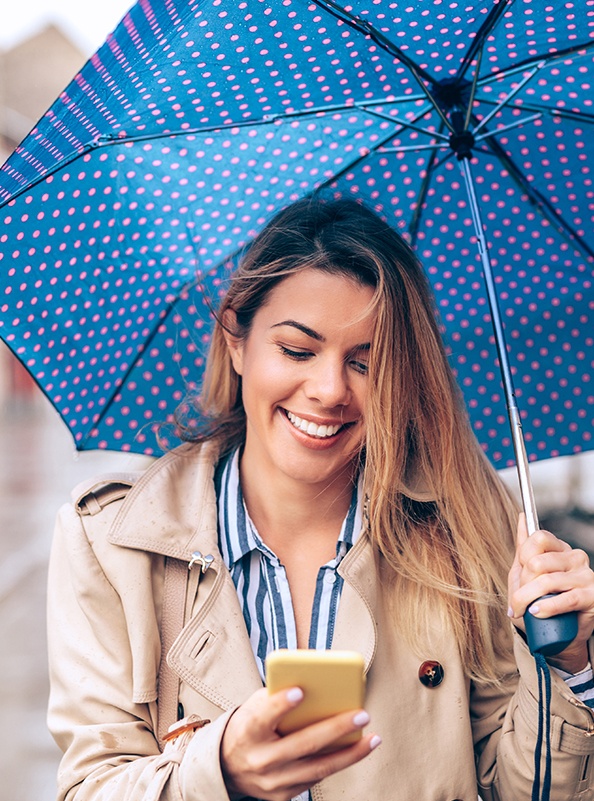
524,480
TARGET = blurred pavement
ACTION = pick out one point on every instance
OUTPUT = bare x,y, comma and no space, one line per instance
38,468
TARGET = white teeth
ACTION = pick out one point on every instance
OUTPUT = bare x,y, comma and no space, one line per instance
312,429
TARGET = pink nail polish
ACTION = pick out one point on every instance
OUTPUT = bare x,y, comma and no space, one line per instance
375,741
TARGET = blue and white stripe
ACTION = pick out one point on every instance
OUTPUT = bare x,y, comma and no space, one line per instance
261,580
581,684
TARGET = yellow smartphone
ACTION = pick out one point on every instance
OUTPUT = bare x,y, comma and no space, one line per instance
332,682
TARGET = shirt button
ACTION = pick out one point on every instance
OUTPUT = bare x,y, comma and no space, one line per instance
330,577
431,673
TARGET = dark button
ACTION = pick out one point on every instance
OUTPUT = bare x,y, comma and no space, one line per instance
431,673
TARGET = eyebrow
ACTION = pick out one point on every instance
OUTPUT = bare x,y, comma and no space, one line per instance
304,328
314,334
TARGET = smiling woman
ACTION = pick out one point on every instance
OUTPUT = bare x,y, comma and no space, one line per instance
337,499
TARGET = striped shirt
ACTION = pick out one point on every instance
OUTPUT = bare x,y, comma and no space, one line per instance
261,580
581,684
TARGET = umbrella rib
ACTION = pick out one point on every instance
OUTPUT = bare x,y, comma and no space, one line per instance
508,97
473,88
140,353
509,127
50,171
369,150
367,29
413,228
546,58
478,42
539,201
406,124
548,110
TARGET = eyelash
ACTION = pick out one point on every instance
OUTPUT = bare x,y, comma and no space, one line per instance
297,355
303,355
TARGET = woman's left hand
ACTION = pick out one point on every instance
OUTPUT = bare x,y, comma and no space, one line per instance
545,564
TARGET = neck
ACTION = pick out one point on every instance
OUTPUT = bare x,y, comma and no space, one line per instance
295,514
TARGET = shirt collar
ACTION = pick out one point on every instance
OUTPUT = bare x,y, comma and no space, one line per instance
237,533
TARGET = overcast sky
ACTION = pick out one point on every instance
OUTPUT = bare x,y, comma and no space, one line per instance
87,22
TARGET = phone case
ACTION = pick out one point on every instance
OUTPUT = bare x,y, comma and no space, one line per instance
332,682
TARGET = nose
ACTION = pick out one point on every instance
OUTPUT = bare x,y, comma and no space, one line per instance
329,384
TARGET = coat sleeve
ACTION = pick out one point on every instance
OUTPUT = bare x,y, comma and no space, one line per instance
106,733
505,727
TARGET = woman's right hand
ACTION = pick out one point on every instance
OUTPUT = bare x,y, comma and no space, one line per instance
258,762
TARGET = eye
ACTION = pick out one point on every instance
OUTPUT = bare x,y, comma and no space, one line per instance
297,355
359,366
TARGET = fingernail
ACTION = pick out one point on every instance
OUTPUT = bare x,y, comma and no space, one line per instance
534,609
294,695
510,612
361,719
375,741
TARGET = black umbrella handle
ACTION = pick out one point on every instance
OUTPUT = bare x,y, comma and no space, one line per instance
550,636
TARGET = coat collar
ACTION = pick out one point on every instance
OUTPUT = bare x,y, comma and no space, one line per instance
172,509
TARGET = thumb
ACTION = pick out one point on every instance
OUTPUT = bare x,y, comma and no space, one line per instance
522,532
515,573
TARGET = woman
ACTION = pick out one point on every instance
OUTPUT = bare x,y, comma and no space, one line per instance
337,498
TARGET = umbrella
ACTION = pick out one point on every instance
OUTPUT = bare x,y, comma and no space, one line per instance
124,210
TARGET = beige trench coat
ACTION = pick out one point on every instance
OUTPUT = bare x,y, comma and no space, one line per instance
105,596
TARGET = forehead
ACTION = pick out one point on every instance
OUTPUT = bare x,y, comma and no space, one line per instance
324,301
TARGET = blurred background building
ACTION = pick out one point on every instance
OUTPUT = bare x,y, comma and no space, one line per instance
39,466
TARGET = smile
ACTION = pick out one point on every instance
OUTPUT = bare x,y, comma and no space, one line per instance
313,429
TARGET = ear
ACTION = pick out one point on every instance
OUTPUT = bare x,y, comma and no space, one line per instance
234,344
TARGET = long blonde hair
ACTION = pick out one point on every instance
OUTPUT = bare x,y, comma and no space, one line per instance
450,553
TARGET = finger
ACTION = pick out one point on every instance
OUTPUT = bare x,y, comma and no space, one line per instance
310,770
521,531
279,704
514,576
573,561
323,735
571,591
541,542
263,711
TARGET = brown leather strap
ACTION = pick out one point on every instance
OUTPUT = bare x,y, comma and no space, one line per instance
172,622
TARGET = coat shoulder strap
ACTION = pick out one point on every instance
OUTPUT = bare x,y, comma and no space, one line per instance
92,495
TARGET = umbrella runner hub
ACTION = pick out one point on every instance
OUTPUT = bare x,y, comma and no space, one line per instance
461,140
450,93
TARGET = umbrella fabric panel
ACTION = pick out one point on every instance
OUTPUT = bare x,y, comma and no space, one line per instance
169,372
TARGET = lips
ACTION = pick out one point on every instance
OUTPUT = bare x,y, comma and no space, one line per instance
311,428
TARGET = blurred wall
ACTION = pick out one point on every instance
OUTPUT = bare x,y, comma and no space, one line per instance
32,74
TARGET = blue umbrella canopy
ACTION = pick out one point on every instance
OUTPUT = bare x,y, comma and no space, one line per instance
123,212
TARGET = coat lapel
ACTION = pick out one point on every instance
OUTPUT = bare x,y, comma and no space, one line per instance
172,511
356,628
213,653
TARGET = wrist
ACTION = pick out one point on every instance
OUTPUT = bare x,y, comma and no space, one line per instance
571,660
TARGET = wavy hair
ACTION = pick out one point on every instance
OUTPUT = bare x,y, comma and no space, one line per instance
450,554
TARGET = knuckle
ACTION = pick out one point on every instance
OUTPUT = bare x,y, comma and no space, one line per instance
581,557
255,764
